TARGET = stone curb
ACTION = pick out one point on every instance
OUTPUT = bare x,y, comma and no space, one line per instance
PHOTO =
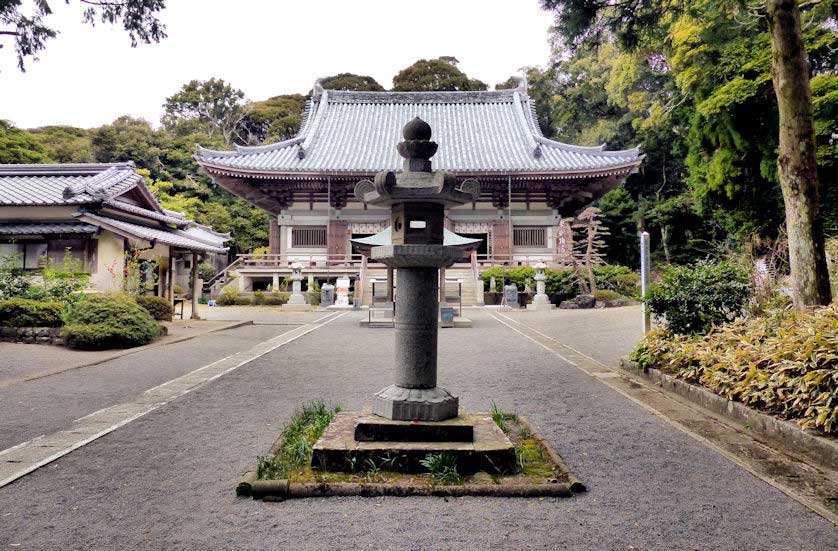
5,383
818,449
280,490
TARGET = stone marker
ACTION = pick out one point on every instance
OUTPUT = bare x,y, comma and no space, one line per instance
510,295
417,198
327,295
540,301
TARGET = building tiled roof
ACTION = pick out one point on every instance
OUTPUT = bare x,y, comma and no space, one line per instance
175,238
45,228
68,184
478,133
166,217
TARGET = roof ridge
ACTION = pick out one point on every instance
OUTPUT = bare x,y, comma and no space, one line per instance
67,169
597,149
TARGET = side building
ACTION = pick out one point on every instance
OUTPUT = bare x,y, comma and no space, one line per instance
528,182
98,213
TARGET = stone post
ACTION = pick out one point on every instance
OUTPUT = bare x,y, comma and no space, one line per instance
645,279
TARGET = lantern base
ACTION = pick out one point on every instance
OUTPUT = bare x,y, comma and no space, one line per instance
415,404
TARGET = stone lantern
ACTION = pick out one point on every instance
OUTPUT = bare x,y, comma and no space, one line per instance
297,301
417,198
540,301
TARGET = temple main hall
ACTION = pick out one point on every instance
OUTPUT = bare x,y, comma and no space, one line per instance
529,184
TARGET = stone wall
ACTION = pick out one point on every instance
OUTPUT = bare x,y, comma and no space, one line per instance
32,335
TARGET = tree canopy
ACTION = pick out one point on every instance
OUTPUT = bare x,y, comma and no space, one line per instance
440,74
31,31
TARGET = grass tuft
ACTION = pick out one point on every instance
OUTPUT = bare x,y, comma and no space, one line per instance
442,468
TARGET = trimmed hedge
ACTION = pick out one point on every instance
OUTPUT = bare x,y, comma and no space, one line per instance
21,312
100,322
785,365
158,307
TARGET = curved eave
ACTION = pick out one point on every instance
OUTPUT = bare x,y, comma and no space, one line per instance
615,170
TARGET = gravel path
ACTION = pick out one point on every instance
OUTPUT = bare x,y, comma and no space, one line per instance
166,480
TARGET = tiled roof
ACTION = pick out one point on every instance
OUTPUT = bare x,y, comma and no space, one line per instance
45,228
175,238
477,132
167,217
67,184
385,237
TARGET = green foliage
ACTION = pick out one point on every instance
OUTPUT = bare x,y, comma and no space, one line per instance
605,295
21,312
206,271
137,17
158,307
18,146
442,468
259,298
65,144
620,279
440,74
785,365
100,322
349,81
307,425
213,107
500,417
274,119
694,299
228,296
14,281
560,285
275,298
62,281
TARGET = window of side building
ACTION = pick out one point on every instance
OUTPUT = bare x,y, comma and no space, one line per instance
307,237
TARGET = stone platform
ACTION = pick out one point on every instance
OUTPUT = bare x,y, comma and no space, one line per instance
353,438
459,323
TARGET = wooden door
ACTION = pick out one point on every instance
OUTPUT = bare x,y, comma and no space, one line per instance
501,241
337,240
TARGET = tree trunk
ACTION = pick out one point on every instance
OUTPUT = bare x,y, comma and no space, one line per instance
797,163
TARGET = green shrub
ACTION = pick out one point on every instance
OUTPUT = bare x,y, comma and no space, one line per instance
14,282
21,312
495,271
258,298
606,294
99,322
243,301
228,296
694,299
620,279
276,298
158,307
784,365
560,285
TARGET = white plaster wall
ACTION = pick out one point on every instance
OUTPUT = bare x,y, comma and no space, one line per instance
110,256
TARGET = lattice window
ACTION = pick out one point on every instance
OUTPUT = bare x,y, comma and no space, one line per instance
529,236
308,236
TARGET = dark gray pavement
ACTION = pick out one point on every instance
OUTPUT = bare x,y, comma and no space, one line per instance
32,408
165,481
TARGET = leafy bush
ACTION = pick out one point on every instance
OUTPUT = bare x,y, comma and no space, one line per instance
258,297
784,365
99,322
606,294
13,280
228,296
619,279
206,271
21,312
64,280
694,299
276,298
560,285
158,307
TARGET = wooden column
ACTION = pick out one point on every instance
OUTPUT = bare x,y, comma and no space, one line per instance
170,278
273,236
195,291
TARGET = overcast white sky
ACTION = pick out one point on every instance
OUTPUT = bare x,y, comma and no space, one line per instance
89,76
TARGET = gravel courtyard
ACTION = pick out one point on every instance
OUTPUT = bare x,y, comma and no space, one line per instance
165,480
